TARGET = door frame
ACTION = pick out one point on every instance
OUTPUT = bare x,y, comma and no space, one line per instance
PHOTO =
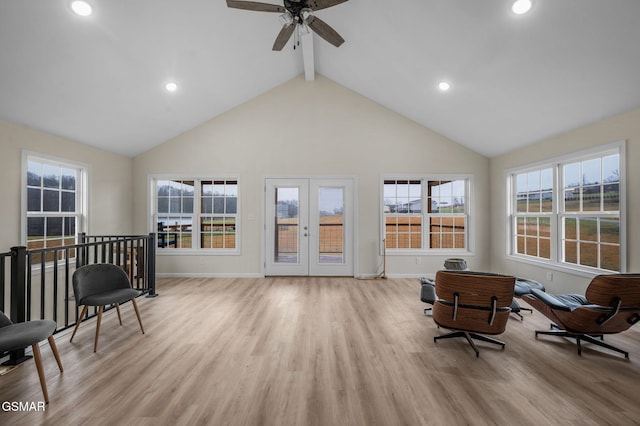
354,214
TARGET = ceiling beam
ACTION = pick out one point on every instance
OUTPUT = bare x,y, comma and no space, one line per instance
306,39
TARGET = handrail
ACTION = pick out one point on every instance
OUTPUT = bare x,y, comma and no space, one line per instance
41,278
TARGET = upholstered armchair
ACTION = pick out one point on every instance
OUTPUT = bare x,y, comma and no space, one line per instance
30,333
99,285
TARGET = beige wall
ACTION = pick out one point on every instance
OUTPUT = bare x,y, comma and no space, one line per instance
623,127
110,202
311,128
314,128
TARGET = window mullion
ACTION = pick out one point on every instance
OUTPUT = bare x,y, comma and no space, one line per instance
195,216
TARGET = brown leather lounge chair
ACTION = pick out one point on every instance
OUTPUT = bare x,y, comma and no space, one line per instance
473,304
610,305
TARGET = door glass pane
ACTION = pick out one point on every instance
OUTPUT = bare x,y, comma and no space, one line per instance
331,225
287,225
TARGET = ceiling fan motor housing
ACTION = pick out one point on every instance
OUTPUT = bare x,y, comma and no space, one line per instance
296,8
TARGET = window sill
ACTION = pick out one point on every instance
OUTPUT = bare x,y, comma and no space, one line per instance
581,271
195,252
432,252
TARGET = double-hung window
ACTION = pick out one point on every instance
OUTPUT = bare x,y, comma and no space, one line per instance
54,203
403,213
569,211
197,213
425,213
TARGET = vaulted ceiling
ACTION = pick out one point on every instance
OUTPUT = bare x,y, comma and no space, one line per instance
514,79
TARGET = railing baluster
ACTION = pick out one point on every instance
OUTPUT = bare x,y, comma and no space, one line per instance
43,277
66,285
135,253
55,285
137,261
29,284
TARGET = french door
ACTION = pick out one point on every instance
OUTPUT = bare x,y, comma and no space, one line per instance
309,227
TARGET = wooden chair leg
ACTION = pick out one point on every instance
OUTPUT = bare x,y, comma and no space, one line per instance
135,307
118,310
54,349
78,321
95,344
38,360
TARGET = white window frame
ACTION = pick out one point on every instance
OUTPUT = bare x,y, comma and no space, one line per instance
425,215
197,214
558,214
82,198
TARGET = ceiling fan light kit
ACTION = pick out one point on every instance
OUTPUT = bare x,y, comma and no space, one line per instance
296,13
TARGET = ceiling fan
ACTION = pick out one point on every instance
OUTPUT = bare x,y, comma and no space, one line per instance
296,13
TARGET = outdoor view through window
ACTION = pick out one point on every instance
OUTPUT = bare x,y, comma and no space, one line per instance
579,208
439,203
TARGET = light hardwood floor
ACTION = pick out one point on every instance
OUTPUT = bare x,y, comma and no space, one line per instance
318,351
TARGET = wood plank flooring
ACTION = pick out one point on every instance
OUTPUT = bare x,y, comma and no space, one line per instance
318,351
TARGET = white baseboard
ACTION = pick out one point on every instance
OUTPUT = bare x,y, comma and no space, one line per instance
258,275
206,275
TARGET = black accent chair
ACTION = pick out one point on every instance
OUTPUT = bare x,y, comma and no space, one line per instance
428,286
611,305
428,293
99,285
20,335
523,286
473,304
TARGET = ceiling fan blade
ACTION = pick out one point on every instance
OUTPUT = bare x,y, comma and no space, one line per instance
254,5
324,30
283,37
323,4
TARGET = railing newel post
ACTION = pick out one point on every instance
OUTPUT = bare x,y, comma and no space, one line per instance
151,264
18,296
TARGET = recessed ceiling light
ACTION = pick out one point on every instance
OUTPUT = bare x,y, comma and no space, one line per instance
81,8
521,7
444,86
171,86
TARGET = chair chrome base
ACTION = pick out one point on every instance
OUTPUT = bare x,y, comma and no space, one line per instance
470,336
516,308
556,331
